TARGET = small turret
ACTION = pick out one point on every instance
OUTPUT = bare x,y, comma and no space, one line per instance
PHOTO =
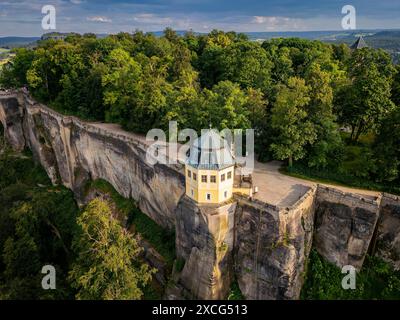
210,169
359,44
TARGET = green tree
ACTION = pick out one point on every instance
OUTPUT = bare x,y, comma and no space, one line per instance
224,107
365,100
326,147
13,74
282,64
396,87
107,265
121,87
184,101
246,63
387,148
289,121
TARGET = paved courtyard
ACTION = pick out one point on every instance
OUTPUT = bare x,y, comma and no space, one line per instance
273,187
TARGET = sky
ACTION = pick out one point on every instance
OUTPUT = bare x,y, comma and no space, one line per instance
24,17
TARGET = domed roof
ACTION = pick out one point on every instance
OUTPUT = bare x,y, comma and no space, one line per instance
211,152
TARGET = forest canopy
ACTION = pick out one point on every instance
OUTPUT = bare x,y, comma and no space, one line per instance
320,107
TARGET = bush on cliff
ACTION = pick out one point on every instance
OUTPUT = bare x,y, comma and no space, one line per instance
107,266
37,222
376,280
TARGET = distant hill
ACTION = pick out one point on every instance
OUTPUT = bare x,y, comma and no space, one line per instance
385,39
13,42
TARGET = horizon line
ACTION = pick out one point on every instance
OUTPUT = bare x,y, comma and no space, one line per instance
202,32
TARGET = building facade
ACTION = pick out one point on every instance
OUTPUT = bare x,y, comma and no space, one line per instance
210,169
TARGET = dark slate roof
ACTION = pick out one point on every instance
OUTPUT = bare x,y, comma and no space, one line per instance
359,44
211,152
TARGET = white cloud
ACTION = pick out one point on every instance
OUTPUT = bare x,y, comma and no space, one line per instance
76,1
99,19
150,18
275,23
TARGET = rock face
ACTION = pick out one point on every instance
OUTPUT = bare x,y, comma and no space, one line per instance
272,246
72,152
204,239
388,231
344,227
11,119
264,246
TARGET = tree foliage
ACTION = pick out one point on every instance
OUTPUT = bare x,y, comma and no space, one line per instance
376,280
142,82
289,121
38,227
107,266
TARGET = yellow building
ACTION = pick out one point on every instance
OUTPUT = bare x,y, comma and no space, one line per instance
209,169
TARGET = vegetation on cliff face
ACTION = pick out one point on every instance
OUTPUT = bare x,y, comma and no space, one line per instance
376,280
107,266
235,293
37,224
41,225
296,93
162,240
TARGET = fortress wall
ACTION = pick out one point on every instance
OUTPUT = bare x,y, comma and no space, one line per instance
388,230
265,245
204,239
344,225
272,246
72,152
11,119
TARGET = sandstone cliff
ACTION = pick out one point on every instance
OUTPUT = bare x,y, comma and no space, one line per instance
263,245
272,246
387,242
72,152
204,239
345,224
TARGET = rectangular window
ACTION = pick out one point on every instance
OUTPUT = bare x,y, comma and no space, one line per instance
194,176
189,173
208,196
192,192
226,194
203,178
213,179
229,175
222,177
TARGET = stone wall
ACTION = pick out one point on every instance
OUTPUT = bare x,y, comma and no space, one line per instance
11,119
204,239
72,152
388,232
266,247
271,247
344,226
